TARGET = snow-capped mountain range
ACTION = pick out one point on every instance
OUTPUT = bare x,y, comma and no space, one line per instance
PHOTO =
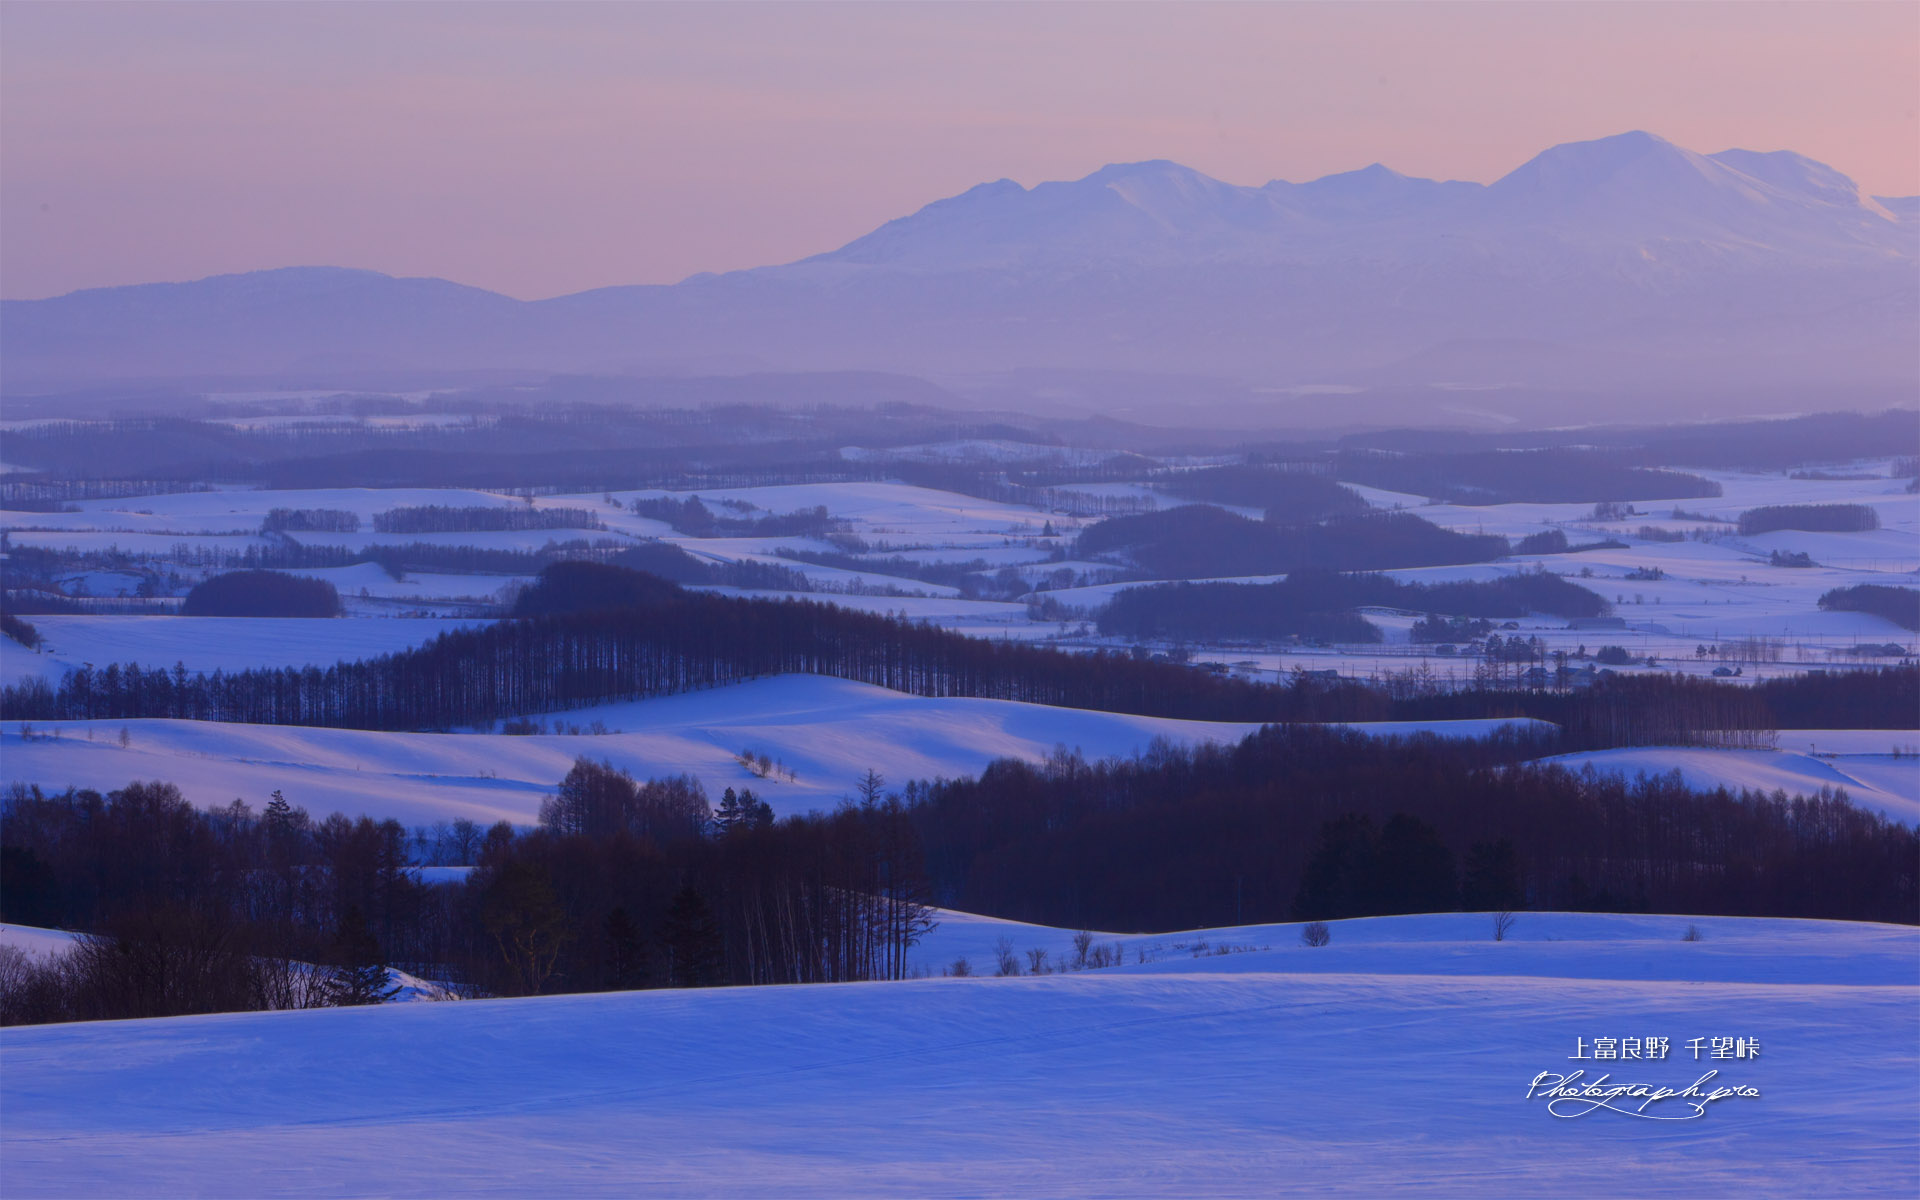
1623,262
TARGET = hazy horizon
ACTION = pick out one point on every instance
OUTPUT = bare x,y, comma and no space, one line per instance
541,151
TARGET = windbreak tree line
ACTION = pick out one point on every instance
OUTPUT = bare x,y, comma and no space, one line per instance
474,518
664,642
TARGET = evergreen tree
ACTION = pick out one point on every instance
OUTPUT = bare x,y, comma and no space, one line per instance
1491,880
359,976
626,954
1413,869
693,940
743,810
1339,879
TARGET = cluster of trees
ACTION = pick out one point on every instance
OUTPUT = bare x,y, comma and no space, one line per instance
1555,476
693,518
36,492
1405,867
1284,495
199,911
311,520
20,631
261,594
1198,540
1318,604
1306,822
1818,518
1897,604
480,518
1434,628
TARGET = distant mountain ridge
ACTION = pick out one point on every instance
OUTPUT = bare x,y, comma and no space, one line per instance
1622,262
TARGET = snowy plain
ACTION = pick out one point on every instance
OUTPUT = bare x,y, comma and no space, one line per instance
1718,591
211,643
1398,1059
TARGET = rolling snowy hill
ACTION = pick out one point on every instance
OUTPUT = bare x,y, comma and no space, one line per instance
829,732
1397,1059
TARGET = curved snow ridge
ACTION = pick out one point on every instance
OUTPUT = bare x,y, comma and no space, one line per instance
826,732
1882,782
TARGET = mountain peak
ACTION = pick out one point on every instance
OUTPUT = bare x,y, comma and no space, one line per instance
1152,168
1795,173
1574,165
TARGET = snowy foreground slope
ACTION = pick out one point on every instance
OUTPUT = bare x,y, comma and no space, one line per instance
1399,1057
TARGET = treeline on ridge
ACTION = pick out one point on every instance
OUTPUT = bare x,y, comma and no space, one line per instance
1897,604
627,885
691,640
1318,604
1514,476
481,518
693,518
1284,495
1197,541
1817,518
1224,835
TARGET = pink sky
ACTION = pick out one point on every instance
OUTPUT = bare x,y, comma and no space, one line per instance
539,150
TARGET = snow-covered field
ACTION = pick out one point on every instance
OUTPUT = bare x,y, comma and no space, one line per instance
211,643
828,732
1717,592
1397,1060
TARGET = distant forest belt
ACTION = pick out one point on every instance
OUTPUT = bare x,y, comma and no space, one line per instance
473,677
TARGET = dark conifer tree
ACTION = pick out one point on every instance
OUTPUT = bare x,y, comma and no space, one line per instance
1491,879
359,974
1339,879
626,953
692,940
1413,869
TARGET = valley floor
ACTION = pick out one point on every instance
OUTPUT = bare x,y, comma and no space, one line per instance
1396,1059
